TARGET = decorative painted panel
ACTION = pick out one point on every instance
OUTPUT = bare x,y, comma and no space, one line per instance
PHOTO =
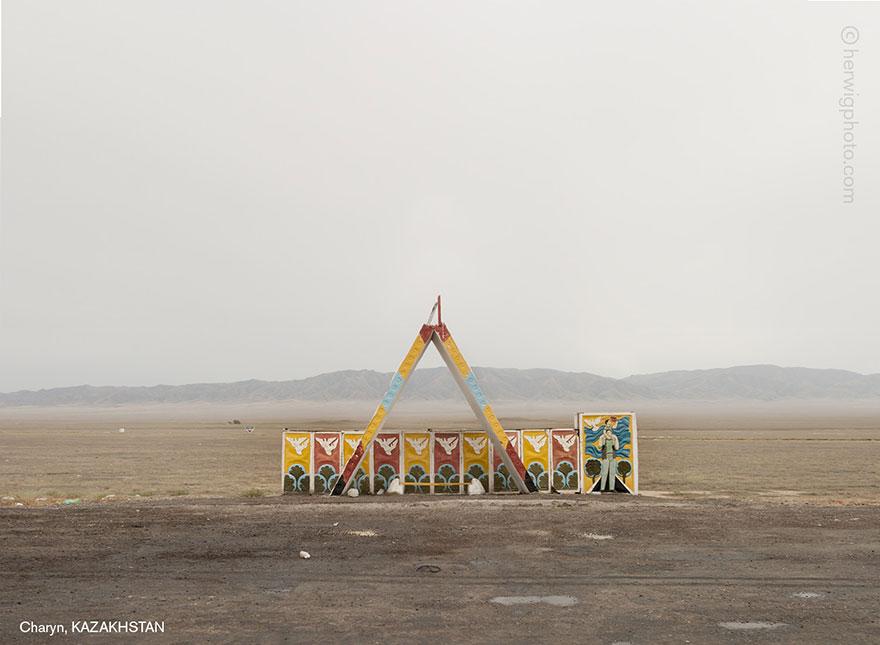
327,460
536,457
610,452
564,458
475,454
447,462
386,460
297,462
417,461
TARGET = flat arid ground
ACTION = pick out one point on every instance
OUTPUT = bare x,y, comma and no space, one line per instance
757,523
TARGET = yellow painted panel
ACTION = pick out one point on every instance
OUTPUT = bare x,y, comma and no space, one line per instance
416,449
296,461
412,356
536,447
456,356
475,451
536,456
297,450
416,459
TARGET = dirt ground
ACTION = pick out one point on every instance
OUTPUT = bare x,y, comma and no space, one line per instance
602,569
755,526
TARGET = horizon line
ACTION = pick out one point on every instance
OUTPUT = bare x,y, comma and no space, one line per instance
521,369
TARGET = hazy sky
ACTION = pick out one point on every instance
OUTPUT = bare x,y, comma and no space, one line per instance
214,191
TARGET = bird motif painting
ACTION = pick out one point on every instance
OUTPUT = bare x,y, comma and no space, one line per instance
477,443
388,444
298,443
418,444
536,441
565,441
328,444
448,443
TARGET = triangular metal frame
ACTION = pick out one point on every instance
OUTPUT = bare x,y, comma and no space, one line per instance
464,376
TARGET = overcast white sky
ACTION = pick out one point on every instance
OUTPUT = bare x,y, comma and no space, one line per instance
215,191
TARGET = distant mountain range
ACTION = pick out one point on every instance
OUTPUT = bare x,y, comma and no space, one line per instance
752,382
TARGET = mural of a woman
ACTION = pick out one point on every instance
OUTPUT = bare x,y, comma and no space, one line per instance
609,444
609,452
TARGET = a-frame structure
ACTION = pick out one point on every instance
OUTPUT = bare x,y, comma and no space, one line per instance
441,338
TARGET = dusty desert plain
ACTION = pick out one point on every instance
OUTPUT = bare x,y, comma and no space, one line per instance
757,522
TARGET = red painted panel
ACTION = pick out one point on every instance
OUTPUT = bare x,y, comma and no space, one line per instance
447,450
386,460
565,445
386,450
564,459
447,461
327,450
